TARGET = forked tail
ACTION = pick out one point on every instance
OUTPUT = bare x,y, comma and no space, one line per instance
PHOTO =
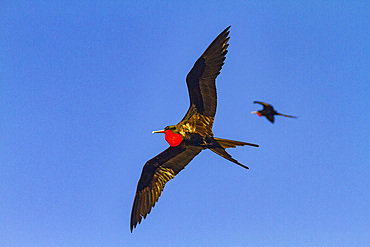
284,115
224,143
232,144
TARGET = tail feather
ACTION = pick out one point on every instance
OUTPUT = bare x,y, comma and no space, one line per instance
222,144
284,115
222,152
232,144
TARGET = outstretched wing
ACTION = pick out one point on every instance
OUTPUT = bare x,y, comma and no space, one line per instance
262,103
156,173
201,78
271,118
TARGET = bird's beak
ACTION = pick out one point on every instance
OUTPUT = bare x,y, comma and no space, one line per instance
253,112
158,131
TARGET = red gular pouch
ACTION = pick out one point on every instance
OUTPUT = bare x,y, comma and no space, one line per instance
173,139
259,114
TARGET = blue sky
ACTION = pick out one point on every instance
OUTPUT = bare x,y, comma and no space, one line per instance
83,84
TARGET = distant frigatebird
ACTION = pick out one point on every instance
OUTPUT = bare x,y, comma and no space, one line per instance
269,112
191,135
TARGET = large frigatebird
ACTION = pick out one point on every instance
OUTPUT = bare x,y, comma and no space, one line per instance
269,112
191,135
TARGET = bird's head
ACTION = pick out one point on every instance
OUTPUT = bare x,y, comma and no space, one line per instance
171,134
257,112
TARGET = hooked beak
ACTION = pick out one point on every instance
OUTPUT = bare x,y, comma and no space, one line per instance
158,131
253,112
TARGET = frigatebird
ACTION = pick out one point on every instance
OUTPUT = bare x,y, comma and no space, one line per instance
269,112
191,135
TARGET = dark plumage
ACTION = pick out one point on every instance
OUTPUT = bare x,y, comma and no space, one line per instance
269,112
191,135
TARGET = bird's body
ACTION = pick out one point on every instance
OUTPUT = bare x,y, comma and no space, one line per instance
191,135
269,112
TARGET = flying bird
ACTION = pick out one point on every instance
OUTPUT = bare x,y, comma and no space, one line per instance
269,112
191,135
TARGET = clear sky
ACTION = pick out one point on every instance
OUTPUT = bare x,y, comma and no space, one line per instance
83,84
